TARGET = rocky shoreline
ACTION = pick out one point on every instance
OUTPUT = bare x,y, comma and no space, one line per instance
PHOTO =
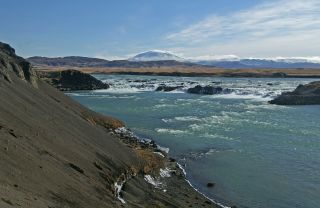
170,174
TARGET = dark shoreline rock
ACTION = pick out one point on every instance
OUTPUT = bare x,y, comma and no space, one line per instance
168,88
210,185
308,94
72,80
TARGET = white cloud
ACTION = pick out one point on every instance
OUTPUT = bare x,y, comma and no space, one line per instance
216,58
285,27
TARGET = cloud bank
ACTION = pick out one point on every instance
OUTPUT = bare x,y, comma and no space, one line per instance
276,28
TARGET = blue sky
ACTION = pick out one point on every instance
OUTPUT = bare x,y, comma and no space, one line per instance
190,28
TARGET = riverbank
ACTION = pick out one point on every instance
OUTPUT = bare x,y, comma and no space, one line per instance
170,180
195,71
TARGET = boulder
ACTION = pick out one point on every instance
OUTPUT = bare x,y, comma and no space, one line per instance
208,90
168,88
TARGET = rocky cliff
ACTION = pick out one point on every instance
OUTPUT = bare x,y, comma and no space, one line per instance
11,64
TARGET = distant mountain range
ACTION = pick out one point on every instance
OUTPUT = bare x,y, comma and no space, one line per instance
78,61
157,58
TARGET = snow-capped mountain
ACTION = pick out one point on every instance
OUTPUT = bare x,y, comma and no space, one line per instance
231,61
301,62
155,55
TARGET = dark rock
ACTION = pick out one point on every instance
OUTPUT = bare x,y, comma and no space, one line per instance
168,88
140,80
210,185
279,74
73,166
308,94
72,80
208,90
208,202
139,86
227,91
97,165
153,144
216,83
191,82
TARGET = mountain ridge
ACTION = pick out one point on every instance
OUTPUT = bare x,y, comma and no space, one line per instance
154,61
79,61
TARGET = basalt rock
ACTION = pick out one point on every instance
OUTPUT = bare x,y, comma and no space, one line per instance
208,90
72,80
308,94
168,88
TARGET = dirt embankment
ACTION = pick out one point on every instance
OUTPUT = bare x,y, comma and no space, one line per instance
56,153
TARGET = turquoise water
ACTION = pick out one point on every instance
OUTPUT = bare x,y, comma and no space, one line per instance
258,155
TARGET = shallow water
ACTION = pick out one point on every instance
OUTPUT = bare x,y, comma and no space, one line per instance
258,155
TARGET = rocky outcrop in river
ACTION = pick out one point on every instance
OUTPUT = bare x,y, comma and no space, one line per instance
308,94
72,80
208,90
164,88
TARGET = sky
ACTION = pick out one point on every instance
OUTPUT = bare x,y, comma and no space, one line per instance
198,29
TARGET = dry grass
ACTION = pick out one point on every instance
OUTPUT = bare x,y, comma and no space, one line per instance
197,71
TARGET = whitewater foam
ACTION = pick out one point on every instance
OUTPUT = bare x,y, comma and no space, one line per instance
187,118
171,131
243,96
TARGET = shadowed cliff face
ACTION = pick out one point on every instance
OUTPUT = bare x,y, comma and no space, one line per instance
55,153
